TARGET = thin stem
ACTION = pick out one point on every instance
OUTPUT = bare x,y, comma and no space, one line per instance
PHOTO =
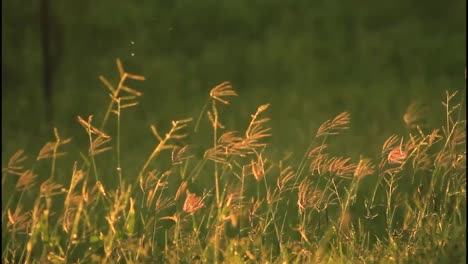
114,95
119,167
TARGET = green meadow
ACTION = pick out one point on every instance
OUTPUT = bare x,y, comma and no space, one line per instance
236,132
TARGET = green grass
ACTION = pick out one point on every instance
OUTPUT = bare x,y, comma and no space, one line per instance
300,188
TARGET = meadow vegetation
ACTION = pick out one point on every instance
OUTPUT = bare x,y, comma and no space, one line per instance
229,200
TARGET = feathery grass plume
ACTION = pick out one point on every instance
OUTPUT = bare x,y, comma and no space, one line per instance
180,190
397,155
14,163
49,188
340,167
389,143
217,155
26,180
258,167
222,90
49,150
286,175
178,158
155,182
318,165
96,144
89,195
101,188
230,144
316,151
233,145
216,93
163,203
151,180
115,92
332,127
256,130
18,221
77,176
192,203
163,144
307,197
415,115
364,168
434,137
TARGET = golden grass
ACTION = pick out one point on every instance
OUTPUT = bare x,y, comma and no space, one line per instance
251,207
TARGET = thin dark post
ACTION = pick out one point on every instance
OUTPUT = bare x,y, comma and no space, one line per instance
51,51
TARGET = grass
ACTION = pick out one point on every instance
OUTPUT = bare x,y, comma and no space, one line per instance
218,194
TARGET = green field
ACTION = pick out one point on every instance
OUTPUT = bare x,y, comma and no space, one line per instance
344,139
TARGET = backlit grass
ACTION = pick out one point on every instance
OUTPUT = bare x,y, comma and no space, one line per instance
233,201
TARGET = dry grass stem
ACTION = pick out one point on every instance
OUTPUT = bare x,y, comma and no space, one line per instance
26,180
14,163
180,190
90,129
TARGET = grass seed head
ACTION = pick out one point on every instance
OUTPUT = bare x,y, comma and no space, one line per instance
222,90
193,203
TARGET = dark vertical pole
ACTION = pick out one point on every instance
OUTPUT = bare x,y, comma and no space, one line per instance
46,58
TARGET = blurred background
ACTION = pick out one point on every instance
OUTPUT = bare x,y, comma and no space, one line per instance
310,60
